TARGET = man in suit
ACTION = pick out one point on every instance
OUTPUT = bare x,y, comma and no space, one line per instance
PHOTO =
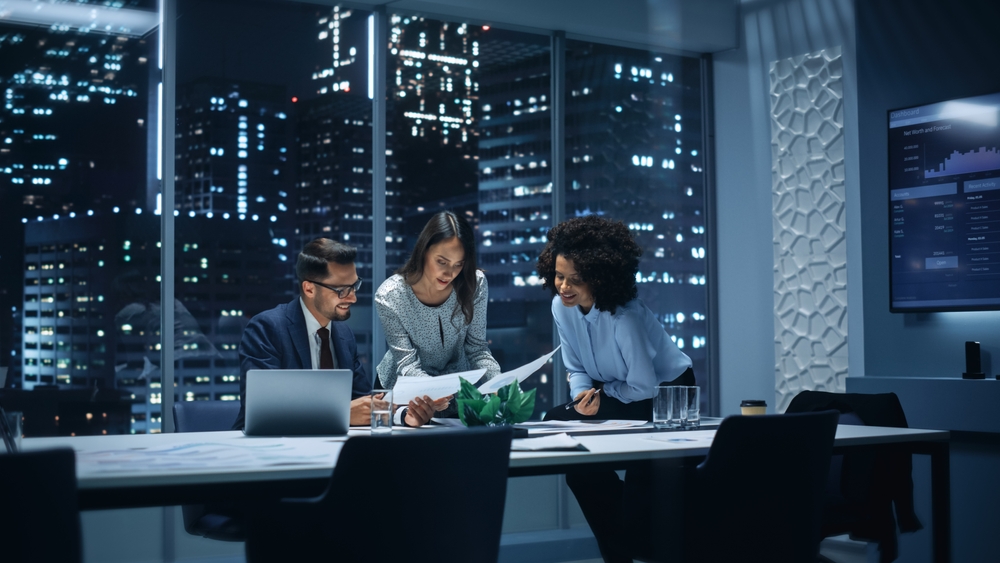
309,332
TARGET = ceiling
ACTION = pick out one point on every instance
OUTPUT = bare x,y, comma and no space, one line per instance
693,26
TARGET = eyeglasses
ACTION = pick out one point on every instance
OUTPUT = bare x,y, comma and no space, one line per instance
342,291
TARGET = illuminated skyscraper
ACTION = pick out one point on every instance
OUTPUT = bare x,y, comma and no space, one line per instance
633,153
232,150
515,181
77,130
92,304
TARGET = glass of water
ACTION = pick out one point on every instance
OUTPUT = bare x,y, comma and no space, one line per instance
382,412
669,406
693,400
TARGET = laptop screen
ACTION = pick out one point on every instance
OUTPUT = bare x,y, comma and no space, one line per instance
300,402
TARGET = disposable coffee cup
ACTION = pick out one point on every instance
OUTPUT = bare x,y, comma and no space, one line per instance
750,407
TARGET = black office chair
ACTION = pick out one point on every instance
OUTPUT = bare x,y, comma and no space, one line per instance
39,499
435,495
867,491
205,416
760,490
222,522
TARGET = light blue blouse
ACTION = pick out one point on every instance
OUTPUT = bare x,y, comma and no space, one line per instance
628,351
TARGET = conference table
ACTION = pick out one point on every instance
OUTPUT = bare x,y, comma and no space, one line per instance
129,471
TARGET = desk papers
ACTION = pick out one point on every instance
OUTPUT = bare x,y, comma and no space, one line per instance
550,426
561,441
518,374
435,387
214,456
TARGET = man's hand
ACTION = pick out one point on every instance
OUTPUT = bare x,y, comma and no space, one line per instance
420,411
361,409
590,401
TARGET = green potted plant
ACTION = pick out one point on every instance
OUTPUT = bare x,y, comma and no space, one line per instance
510,405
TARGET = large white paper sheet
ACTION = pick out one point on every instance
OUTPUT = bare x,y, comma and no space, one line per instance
555,442
519,374
195,456
436,387
537,428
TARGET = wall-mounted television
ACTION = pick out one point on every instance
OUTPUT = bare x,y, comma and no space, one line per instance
944,206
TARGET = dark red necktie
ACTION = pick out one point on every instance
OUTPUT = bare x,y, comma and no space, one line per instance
325,355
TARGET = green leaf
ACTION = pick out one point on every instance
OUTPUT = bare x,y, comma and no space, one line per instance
513,406
488,415
503,393
468,391
527,407
468,411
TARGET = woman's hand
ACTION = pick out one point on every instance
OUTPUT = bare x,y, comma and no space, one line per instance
442,403
590,401
420,411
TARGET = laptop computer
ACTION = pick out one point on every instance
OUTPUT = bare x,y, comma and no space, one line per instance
298,402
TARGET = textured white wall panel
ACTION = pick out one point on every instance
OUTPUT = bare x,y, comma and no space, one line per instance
810,244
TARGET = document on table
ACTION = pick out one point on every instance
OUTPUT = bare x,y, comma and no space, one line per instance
550,426
242,454
556,442
518,374
435,387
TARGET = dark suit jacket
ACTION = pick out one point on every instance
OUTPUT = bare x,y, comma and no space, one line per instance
277,339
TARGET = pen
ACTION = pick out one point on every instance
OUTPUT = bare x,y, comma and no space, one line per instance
576,402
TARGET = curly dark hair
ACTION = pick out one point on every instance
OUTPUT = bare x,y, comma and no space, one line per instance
604,254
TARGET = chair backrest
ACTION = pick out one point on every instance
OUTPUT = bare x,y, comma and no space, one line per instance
205,416
433,495
41,519
762,487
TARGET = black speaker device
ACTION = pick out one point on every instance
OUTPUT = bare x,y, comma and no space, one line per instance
973,362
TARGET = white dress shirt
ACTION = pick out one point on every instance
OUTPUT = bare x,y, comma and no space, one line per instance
312,326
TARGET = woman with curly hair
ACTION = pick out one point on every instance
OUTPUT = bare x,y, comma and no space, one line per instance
615,351
433,311
610,340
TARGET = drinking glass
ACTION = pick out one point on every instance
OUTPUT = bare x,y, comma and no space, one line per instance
693,405
669,406
382,412
661,406
14,423
678,406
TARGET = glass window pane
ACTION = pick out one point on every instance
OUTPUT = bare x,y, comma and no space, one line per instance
469,131
79,256
634,154
273,150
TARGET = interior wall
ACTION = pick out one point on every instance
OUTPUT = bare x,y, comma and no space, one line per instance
770,30
912,52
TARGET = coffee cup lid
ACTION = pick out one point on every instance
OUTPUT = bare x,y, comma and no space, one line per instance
753,403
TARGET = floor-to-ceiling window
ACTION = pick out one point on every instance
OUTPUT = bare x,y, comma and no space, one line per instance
469,131
79,250
273,149
274,146
634,154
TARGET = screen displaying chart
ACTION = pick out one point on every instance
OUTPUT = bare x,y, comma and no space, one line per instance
944,206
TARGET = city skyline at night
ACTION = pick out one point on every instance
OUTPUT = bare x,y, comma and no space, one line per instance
262,168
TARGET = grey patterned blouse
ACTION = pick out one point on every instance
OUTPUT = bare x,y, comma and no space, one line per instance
425,341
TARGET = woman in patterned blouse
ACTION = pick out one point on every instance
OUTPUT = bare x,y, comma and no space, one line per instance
433,311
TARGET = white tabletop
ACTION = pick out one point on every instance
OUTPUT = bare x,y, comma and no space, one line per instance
151,460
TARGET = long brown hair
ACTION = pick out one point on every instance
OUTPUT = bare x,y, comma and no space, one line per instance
443,226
